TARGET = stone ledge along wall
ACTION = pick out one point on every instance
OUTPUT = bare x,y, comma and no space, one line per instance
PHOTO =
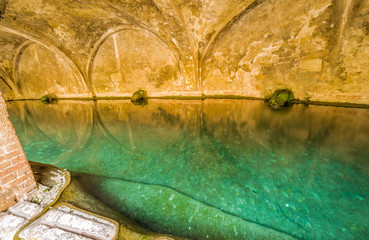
16,177
107,48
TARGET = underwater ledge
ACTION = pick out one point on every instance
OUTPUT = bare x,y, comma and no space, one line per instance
199,215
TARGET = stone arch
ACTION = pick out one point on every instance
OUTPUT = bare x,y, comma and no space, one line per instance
221,30
39,71
18,54
127,32
74,69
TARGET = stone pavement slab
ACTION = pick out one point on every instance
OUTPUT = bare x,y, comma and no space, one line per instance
25,209
67,222
43,232
51,181
9,225
17,216
35,219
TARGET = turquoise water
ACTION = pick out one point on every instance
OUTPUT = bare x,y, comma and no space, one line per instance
213,169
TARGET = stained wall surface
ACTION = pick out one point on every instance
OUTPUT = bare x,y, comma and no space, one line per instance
107,48
16,177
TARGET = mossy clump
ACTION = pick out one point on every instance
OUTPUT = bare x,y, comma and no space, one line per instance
139,97
49,98
281,98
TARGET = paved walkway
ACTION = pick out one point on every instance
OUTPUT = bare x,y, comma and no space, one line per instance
67,222
16,217
63,221
35,219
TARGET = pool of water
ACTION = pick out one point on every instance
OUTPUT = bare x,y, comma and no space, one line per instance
212,169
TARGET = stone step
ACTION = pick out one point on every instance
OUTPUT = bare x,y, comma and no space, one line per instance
62,222
9,225
15,217
71,223
25,209
43,232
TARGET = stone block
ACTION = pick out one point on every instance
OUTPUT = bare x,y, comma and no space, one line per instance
25,209
312,65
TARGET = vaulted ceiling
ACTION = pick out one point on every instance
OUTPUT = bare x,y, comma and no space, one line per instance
85,48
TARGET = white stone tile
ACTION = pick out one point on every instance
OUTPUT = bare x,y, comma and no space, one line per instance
9,224
43,232
25,209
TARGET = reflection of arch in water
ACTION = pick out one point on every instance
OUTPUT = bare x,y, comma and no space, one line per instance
28,121
32,115
112,33
98,122
136,129
53,124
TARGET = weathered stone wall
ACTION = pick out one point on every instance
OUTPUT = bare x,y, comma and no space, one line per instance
317,48
302,45
16,177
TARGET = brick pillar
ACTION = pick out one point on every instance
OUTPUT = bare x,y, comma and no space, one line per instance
16,176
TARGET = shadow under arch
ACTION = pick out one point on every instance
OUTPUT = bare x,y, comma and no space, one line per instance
113,31
64,126
48,45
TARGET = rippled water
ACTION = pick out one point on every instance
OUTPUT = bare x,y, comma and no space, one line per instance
217,169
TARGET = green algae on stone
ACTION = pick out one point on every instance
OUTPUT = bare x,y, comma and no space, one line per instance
281,98
164,209
49,98
139,97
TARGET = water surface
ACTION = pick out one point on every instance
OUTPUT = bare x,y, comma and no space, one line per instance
217,169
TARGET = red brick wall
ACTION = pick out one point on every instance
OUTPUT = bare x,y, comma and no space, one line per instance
16,177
